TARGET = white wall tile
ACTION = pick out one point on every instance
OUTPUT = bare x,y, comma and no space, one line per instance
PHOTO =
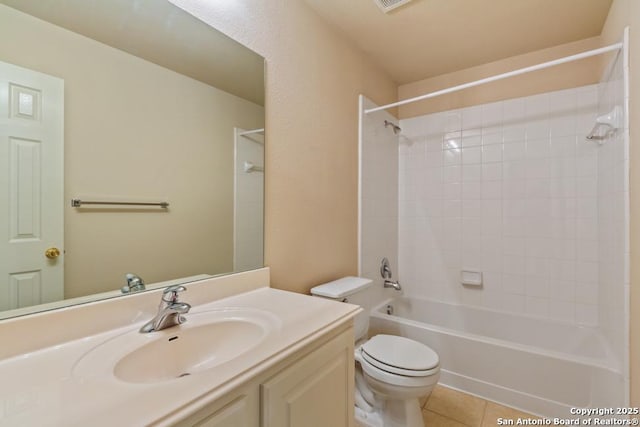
514,151
492,138
523,197
537,168
513,283
536,306
563,146
471,139
587,314
514,170
492,190
513,133
452,174
492,153
537,128
471,155
472,117
472,190
492,115
513,303
452,121
561,310
513,111
492,171
538,149
472,173
391,176
452,157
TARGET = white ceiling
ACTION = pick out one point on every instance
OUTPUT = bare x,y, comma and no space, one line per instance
426,38
162,33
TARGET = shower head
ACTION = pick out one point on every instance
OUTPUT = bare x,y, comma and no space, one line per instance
610,122
396,128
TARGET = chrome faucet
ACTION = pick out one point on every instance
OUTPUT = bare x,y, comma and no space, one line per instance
134,284
170,311
385,272
392,284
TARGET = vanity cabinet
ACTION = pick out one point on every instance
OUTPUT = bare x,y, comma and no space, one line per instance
311,388
315,391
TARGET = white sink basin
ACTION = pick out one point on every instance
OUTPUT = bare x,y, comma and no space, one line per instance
206,340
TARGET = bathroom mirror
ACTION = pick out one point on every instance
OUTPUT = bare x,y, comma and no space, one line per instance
124,101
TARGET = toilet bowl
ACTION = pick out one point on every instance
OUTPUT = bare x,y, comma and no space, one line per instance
397,371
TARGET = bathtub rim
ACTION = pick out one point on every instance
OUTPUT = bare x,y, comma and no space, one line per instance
614,367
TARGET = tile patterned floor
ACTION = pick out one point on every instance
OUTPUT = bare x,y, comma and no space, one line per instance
446,407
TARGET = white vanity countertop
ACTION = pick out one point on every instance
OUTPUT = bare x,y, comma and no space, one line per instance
40,388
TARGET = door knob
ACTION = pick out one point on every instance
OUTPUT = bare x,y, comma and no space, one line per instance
52,253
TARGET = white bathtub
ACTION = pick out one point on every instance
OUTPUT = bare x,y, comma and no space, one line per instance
539,366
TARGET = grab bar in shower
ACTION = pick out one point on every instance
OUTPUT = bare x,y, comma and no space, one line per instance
77,203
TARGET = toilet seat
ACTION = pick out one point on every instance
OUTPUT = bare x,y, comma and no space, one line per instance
393,379
398,361
400,356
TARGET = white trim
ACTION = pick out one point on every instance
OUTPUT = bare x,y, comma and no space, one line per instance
251,132
541,66
237,132
627,255
360,146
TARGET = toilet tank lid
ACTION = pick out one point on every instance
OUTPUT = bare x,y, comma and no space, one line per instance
342,287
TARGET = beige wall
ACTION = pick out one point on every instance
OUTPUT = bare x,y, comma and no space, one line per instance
574,74
314,77
627,13
136,131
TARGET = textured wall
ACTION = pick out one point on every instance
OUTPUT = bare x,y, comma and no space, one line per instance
314,77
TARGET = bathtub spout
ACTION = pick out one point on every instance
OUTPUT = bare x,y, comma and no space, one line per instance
392,284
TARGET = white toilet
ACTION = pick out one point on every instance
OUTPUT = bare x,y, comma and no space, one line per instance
393,373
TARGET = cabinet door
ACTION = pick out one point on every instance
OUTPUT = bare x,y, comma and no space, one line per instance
236,414
241,410
316,391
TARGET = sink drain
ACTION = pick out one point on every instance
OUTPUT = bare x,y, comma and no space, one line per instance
186,374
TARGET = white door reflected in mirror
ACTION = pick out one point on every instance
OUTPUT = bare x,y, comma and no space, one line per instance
31,185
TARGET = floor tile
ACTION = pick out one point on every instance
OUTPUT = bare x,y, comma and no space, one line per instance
431,419
423,401
494,411
456,405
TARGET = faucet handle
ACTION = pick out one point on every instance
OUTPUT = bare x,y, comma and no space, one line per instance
134,284
170,294
385,269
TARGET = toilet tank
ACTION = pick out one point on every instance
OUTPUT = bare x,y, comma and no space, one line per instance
354,290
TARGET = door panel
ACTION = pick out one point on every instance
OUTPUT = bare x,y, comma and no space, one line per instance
31,186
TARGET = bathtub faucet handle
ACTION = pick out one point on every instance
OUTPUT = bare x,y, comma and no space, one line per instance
385,269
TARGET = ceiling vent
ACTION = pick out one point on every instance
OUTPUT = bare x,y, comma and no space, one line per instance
388,5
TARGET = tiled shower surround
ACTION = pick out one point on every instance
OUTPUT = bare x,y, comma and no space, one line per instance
509,189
